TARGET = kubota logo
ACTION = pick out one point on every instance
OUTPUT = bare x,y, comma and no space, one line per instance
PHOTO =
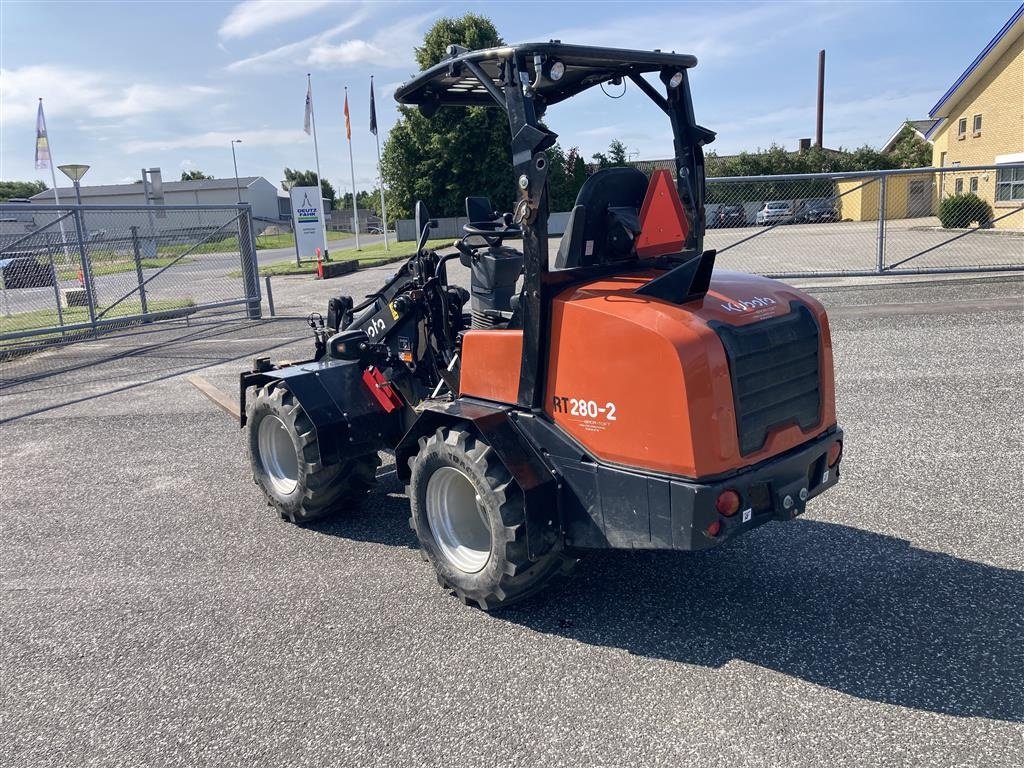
746,306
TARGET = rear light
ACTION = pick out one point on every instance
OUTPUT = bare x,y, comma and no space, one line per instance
715,528
835,453
728,503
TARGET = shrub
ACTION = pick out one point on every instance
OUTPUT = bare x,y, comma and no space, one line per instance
962,210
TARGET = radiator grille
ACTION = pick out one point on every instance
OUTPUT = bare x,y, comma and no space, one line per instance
775,374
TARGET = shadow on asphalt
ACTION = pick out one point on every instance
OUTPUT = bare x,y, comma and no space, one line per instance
162,359
858,612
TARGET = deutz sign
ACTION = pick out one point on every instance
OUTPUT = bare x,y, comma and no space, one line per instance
306,204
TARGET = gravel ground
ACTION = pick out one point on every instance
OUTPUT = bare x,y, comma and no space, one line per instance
155,612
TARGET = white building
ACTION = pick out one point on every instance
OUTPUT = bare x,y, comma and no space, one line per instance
255,190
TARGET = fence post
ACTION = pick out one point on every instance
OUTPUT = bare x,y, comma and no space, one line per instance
250,270
56,291
880,267
270,296
90,289
138,269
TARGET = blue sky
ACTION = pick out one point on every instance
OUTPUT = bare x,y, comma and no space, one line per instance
169,84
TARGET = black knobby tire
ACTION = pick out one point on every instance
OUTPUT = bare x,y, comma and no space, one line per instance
508,575
319,489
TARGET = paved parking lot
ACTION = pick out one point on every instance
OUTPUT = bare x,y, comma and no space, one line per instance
154,612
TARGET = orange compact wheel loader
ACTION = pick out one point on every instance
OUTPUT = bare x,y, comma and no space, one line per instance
626,395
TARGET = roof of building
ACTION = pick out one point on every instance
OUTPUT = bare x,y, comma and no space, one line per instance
921,127
110,190
1005,37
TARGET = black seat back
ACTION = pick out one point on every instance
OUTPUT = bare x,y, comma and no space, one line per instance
608,203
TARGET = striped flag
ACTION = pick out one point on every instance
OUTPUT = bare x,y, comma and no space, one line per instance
309,107
373,110
348,123
42,142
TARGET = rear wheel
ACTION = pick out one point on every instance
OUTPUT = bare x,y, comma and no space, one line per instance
286,466
469,517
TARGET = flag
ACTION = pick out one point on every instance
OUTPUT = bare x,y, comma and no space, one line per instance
42,142
348,123
373,110
309,107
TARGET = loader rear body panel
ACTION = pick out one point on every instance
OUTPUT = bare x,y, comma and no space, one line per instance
694,390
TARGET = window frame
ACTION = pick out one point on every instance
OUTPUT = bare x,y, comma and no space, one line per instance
976,124
958,185
961,129
1015,183
972,185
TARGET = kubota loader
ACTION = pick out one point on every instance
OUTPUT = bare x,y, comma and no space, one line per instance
625,396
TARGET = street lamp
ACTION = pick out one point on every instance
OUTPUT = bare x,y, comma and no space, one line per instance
75,172
238,189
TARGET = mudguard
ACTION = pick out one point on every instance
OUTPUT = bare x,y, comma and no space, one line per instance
349,420
495,424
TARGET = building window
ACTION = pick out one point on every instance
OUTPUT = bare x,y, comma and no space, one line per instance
977,125
974,184
962,128
958,186
1009,184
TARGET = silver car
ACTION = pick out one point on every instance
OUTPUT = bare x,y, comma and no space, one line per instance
774,211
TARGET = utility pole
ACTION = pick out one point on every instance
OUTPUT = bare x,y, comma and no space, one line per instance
819,131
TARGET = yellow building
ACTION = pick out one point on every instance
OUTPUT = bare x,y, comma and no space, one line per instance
907,196
980,121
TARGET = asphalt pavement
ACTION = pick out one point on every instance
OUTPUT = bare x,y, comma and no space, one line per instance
155,612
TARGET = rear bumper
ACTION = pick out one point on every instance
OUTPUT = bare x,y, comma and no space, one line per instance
605,506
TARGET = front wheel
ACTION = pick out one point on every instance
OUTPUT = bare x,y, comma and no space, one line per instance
285,459
469,516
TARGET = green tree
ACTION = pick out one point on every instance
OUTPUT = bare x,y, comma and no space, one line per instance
194,175
566,174
615,157
20,189
308,179
369,200
910,150
617,153
456,153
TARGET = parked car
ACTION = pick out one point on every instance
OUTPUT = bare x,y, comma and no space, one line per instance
818,210
775,212
732,215
24,270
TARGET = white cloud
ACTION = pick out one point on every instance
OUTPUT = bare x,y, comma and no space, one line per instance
296,52
73,91
261,137
716,32
390,47
252,16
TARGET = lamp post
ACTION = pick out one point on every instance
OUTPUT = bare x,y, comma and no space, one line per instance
234,160
75,172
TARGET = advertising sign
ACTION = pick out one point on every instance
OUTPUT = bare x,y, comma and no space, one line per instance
306,218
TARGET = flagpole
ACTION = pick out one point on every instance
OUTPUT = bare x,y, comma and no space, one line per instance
352,169
380,177
53,177
316,153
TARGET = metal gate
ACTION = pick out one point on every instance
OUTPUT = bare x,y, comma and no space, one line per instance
69,272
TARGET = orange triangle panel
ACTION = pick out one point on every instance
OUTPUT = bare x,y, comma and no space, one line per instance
663,224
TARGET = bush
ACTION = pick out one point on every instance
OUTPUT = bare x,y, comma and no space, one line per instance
957,211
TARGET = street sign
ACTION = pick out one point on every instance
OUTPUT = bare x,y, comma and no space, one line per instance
307,221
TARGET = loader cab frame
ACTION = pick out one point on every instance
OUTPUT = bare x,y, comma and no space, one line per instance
524,80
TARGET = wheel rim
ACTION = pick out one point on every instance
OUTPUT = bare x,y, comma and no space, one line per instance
277,453
456,520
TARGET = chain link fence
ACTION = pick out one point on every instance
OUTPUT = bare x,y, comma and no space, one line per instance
71,272
870,223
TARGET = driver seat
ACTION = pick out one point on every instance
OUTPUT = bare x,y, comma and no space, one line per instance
605,221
